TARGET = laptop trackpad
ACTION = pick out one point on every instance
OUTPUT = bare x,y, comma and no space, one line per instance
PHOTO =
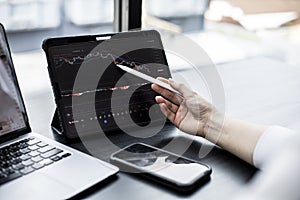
35,185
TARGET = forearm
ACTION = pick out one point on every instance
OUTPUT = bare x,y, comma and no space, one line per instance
236,136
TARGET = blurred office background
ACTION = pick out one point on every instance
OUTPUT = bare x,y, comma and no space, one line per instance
33,20
228,30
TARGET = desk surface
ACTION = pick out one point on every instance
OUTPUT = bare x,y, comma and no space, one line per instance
258,89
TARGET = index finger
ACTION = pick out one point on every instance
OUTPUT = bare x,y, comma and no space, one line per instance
167,93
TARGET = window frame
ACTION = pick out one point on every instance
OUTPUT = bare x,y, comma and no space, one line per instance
128,15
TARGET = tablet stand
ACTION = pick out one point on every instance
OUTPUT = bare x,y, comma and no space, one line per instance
55,124
58,130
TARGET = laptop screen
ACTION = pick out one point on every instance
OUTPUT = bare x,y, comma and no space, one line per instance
133,96
12,112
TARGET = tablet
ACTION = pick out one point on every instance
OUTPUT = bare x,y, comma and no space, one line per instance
65,57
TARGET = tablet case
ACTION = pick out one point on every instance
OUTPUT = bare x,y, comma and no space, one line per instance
56,124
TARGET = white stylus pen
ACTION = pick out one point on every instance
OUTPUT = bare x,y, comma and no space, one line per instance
149,78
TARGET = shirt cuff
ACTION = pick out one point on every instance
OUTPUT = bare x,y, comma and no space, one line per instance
269,143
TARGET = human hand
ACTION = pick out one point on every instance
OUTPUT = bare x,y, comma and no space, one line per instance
191,114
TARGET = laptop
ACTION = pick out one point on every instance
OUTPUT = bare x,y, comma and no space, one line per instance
33,166
106,99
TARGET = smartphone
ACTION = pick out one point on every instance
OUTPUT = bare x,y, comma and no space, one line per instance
167,168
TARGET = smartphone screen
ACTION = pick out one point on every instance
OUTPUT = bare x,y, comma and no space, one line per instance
164,165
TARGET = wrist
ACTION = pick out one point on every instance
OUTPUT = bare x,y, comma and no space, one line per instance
214,126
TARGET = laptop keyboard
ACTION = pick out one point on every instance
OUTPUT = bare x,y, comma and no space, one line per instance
26,156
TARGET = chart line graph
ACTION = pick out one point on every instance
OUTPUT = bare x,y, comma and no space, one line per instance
125,87
104,55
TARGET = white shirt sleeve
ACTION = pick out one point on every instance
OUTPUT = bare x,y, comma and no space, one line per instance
277,153
269,143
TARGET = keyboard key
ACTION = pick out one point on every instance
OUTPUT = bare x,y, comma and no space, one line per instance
37,165
51,153
27,162
16,154
25,150
65,155
42,144
45,149
32,142
27,170
34,153
10,177
13,149
26,140
33,147
18,166
23,145
16,161
46,162
37,159
25,157
56,158
22,141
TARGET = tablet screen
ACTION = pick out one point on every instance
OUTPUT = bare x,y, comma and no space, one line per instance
133,96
